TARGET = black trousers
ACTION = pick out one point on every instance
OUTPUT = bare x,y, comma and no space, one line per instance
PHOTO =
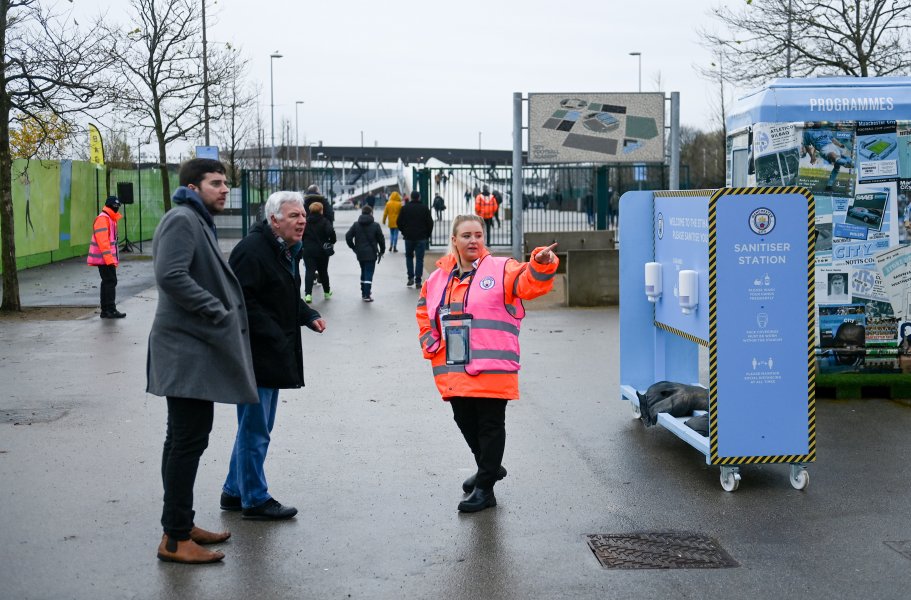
108,287
313,267
189,425
488,224
482,422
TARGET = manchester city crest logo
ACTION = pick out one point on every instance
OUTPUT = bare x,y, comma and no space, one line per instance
487,283
762,221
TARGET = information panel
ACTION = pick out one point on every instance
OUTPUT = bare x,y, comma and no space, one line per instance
682,243
761,311
598,128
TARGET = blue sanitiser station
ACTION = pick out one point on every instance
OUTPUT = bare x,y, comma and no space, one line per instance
731,270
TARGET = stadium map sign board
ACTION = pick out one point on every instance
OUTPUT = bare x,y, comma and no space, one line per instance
598,128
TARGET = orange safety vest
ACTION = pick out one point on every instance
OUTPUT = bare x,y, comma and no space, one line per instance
485,206
103,246
495,374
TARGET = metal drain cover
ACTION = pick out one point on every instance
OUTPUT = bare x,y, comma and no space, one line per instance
659,550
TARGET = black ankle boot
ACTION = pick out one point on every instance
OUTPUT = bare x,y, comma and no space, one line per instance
478,500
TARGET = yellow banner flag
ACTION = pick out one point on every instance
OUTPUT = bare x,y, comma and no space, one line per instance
96,146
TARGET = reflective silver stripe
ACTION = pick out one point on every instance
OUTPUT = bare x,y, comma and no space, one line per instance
541,276
444,369
456,306
495,354
427,339
100,230
422,301
496,325
98,255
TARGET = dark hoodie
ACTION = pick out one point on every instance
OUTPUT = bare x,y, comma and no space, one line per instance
366,239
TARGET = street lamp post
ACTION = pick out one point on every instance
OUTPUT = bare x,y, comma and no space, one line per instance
297,142
479,142
639,56
272,58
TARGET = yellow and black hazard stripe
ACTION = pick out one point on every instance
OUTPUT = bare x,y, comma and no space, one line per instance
681,333
811,326
682,193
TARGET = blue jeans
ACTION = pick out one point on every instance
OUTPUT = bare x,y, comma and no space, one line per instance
367,269
414,259
246,477
393,236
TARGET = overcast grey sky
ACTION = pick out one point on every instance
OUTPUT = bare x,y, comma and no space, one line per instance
418,73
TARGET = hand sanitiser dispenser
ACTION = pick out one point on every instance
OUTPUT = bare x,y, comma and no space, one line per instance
688,290
653,281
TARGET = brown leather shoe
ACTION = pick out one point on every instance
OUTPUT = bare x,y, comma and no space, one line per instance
201,536
187,552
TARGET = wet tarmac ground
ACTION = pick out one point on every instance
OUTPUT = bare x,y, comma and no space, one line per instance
370,455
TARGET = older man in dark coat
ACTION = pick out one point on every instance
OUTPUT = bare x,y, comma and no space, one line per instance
199,348
267,263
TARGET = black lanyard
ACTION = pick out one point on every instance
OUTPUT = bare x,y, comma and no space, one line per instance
448,289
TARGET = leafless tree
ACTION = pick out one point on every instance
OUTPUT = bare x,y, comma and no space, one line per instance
51,72
237,100
801,38
161,85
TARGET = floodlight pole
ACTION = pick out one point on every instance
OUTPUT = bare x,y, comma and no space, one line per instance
272,58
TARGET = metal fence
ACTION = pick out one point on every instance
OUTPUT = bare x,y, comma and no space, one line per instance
554,197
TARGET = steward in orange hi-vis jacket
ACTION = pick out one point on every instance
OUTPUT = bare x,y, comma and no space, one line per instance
103,254
470,313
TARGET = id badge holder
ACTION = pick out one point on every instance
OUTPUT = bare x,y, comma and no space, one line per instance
457,334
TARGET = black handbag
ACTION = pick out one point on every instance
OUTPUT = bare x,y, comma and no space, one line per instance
328,247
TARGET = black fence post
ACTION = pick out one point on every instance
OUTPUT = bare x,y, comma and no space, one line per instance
244,202
602,196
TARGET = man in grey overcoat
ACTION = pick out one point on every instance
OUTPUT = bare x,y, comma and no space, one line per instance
199,348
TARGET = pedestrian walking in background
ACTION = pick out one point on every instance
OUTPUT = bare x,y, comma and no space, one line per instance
468,198
498,198
485,206
319,244
469,316
391,218
103,253
439,205
312,195
365,237
416,225
267,264
614,204
199,348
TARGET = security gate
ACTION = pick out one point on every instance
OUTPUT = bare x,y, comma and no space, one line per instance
554,197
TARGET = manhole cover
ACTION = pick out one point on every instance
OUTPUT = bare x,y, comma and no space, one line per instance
659,550
903,548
